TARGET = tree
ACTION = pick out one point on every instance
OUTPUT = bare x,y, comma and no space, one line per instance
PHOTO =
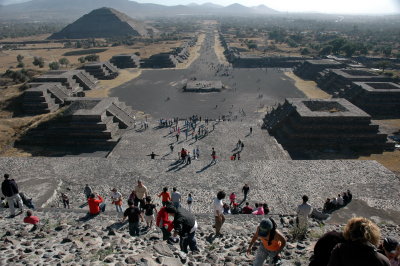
63,61
38,61
82,60
383,65
54,66
20,58
387,51
92,58
326,50
304,51
349,49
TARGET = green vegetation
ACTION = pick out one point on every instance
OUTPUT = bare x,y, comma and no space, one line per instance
63,61
38,61
54,66
19,76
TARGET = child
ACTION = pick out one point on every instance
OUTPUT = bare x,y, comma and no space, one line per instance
149,212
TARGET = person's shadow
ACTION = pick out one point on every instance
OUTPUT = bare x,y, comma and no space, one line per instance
206,167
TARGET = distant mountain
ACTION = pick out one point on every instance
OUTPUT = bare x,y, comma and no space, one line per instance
69,10
263,9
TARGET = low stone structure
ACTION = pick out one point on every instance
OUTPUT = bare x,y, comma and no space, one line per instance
309,69
102,70
203,86
74,80
337,81
161,60
125,61
325,124
87,122
44,98
375,98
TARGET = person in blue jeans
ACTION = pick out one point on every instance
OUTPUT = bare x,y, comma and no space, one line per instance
134,215
185,226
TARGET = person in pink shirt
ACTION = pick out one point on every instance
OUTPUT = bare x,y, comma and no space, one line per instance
259,209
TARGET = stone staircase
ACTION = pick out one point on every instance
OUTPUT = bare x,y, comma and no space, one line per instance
102,70
85,80
44,98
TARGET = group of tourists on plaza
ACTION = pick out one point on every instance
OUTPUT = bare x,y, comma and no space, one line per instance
359,243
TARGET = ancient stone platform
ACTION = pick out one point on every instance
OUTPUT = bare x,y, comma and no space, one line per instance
87,122
74,80
278,183
325,124
203,86
310,69
102,70
125,61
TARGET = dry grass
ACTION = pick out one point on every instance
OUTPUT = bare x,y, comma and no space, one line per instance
106,85
391,160
309,88
194,52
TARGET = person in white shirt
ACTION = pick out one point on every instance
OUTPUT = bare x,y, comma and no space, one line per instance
219,212
303,211
116,198
340,201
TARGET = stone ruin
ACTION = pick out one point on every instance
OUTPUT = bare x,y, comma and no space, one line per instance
102,70
47,93
44,98
304,124
125,61
96,123
310,69
169,59
337,81
376,98
203,86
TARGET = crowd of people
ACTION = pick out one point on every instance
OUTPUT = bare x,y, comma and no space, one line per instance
359,243
332,204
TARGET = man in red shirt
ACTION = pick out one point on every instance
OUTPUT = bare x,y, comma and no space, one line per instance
247,209
96,205
30,219
164,223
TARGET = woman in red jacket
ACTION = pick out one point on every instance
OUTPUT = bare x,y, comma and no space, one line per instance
96,205
164,223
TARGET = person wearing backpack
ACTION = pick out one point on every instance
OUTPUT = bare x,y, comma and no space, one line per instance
272,242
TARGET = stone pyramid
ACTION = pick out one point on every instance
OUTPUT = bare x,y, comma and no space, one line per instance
103,23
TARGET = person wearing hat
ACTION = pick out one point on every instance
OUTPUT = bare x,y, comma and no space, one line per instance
272,242
390,247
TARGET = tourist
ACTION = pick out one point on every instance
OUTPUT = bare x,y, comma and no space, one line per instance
266,208
116,199
226,208
327,206
238,144
345,198
149,209
171,147
87,191
390,247
152,155
9,188
185,226
183,155
176,198
349,195
188,158
245,190
247,209
213,156
134,214
303,211
65,200
236,209
340,201
163,222
165,196
219,213
30,219
232,198
324,246
259,209
189,202
251,130
28,202
177,137
96,205
272,243
362,238
141,194
197,152
132,196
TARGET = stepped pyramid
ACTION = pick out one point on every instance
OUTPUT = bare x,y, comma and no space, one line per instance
103,23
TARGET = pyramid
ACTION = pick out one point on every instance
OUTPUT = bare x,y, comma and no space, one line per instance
103,23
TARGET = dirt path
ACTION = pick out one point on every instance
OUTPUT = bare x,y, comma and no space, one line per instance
124,76
309,88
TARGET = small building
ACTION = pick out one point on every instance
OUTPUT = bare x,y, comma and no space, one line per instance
125,61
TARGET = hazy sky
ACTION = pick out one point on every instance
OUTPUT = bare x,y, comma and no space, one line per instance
323,6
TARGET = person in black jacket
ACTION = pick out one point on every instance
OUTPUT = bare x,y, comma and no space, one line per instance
185,226
9,189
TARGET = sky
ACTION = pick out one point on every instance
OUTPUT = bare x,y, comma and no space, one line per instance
322,6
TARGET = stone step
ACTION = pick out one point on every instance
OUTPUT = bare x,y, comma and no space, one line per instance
119,115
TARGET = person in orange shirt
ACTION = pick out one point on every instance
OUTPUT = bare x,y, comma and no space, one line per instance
272,242
96,205
165,196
